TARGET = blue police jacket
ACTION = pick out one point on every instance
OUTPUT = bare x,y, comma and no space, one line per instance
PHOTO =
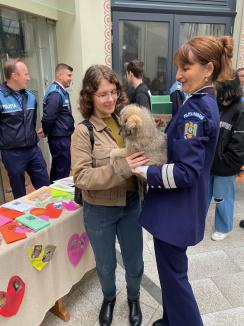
57,117
176,205
17,121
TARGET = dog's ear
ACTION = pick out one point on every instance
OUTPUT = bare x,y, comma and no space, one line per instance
133,123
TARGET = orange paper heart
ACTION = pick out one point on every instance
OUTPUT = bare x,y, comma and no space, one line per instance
50,211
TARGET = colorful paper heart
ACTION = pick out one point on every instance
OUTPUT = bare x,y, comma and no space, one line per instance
70,205
76,248
49,210
44,217
38,211
53,212
10,301
40,256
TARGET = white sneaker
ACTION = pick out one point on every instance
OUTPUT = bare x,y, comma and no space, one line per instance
217,236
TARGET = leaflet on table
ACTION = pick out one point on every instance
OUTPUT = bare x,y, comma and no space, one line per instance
33,222
69,181
62,187
10,234
19,205
10,213
41,195
46,195
4,220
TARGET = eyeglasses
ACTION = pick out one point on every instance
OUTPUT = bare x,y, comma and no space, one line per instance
105,96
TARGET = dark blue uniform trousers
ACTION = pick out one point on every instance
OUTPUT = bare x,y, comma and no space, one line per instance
61,159
17,161
179,304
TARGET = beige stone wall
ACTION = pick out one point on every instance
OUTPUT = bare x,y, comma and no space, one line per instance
84,39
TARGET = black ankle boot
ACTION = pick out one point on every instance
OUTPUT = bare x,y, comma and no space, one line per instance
135,316
106,312
159,322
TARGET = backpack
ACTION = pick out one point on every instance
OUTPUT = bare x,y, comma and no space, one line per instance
78,191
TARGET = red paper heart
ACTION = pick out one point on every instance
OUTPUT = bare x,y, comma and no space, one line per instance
50,211
10,301
38,211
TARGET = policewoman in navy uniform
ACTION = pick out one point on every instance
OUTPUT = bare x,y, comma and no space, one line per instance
58,122
175,207
18,137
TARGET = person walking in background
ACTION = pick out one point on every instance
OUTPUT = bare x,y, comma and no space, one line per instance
58,122
141,95
111,203
176,205
177,96
229,156
240,76
18,141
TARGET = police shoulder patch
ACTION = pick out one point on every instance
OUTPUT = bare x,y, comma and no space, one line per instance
190,129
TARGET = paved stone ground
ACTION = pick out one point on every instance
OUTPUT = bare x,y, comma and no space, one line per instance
216,272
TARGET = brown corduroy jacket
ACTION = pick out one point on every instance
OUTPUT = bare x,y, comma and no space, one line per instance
101,183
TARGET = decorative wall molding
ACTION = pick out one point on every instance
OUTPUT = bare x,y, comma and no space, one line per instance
107,32
241,49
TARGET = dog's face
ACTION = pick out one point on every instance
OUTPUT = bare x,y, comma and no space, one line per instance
131,121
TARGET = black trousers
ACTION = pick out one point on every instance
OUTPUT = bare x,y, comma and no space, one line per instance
61,159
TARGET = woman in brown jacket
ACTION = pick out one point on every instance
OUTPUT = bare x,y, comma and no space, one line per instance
111,202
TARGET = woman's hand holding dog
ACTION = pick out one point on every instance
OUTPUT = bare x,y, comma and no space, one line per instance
135,161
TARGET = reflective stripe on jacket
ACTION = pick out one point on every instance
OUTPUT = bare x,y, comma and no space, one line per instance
57,117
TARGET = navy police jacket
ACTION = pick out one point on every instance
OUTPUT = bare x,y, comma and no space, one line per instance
17,122
176,205
57,117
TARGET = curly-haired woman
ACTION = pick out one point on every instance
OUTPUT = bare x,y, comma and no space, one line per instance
110,193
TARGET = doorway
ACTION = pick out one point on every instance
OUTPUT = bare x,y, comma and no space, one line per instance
154,38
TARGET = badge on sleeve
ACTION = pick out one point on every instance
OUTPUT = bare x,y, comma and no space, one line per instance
190,130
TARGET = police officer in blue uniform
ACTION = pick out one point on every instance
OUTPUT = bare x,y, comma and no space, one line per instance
58,122
18,137
176,205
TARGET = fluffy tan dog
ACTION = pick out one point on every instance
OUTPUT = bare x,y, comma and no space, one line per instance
140,133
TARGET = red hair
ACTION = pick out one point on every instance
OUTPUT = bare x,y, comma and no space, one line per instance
205,49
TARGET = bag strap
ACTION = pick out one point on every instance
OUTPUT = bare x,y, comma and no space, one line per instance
89,126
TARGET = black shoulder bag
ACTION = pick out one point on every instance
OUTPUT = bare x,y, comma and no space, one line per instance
78,192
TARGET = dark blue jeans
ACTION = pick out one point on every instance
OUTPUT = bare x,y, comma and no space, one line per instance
102,224
31,160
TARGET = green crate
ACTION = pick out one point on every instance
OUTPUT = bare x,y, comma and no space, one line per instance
160,98
161,104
